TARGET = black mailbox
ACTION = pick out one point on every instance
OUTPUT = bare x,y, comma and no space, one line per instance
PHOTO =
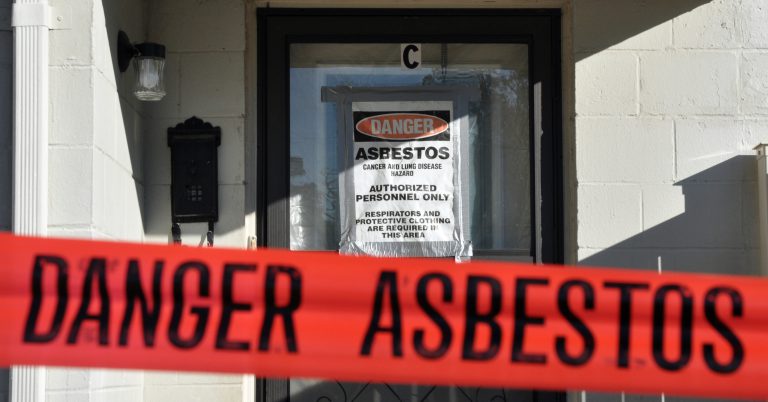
194,172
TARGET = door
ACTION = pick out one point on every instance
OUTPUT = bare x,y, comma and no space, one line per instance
511,168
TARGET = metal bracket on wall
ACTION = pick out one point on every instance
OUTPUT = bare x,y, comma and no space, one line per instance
209,235
41,14
176,233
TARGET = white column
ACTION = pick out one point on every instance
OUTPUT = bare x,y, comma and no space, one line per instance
30,124
30,21
27,384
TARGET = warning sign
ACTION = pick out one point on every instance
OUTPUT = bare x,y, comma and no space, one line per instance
404,175
278,313
404,179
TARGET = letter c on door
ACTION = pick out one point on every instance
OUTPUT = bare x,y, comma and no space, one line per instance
407,50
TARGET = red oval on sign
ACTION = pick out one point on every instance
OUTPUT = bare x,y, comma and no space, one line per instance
402,126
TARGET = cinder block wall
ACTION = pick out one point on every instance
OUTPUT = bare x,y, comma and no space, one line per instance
95,158
666,118
97,153
205,73
95,161
670,99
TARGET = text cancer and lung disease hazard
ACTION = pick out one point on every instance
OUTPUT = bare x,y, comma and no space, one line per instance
320,315
404,180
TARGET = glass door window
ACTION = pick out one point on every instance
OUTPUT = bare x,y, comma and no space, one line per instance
499,133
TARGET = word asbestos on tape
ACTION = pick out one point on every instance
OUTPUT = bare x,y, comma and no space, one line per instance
278,313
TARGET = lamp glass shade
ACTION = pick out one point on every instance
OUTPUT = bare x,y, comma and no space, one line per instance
149,85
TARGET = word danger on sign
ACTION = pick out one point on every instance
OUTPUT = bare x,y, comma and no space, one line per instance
402,126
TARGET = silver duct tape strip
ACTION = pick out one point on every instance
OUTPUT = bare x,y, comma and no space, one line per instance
458,249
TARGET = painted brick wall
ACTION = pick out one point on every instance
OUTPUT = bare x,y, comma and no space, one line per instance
665,124
95,161
96,179
102,133
205,72
205,78
670,99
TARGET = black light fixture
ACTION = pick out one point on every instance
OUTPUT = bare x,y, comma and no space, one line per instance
148,63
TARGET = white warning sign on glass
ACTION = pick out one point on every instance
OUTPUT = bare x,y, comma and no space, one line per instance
403,172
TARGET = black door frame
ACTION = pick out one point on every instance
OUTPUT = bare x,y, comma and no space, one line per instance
278,28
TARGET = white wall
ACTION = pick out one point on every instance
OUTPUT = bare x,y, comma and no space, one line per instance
95,161
205,78
665,125
98,153
205,72
670,99
96,127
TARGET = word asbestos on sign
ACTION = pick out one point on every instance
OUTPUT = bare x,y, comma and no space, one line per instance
280,313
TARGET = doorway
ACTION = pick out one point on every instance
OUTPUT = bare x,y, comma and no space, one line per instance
509,60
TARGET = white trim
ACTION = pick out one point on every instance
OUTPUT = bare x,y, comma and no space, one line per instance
27,384
249,388
31,15
30,128
30,151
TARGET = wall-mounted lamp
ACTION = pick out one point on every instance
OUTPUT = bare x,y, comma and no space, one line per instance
148,63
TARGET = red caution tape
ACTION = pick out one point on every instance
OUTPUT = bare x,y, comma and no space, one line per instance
300,314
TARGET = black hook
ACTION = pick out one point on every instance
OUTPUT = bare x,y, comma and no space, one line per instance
176,233
209,235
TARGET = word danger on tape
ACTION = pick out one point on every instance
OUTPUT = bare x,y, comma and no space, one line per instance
281,313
